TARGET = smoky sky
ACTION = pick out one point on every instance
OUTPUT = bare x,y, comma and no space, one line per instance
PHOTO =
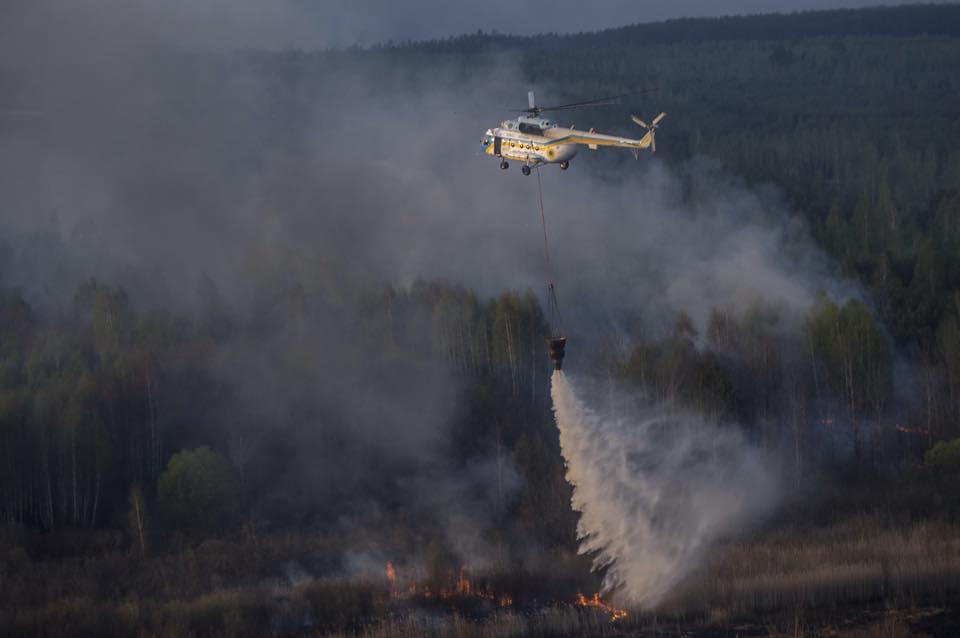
157,168
184,176
319,24
168,172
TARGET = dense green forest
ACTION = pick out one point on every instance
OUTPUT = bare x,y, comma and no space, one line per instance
854,114
134,422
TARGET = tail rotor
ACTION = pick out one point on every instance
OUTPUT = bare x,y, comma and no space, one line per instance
650,128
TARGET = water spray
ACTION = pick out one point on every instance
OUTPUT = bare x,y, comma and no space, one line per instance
656,487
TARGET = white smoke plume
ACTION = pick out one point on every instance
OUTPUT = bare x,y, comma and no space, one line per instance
655,488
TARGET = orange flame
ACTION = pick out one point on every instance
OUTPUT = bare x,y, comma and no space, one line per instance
392,580
596,602
461,587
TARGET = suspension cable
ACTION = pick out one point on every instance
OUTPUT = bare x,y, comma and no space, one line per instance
556,321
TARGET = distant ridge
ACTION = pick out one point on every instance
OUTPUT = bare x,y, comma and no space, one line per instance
902,20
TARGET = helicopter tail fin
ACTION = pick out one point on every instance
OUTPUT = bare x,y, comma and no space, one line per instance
649,140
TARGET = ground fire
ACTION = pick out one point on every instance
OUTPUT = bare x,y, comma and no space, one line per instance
462,587
392,580
597,602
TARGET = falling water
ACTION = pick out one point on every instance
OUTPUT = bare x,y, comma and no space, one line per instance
655,488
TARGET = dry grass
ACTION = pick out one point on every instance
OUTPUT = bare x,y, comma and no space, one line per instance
861,560
561,621
840,580
890,626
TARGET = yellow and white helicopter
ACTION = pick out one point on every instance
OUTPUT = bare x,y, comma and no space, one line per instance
534,140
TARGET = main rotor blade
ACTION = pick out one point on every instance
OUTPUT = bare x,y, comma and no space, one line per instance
600,101
578,106
659,119
539,109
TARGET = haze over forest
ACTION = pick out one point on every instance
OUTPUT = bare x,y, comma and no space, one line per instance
311,25
270,321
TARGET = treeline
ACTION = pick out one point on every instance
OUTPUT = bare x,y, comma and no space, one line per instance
105,413
88,403
99,408
916,19
902,21
820,397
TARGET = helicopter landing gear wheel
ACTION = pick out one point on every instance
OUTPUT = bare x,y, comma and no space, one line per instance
525,169
564,165
503,165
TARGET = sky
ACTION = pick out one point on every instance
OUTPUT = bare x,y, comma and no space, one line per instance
319,24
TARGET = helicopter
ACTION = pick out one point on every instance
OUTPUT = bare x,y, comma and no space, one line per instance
534,140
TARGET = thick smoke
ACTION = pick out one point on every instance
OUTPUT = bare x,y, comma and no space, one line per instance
166,170
655,487
278,188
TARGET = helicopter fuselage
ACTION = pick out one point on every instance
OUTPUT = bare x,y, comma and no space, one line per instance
533,140
529,140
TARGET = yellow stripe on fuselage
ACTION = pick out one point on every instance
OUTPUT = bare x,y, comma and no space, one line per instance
532,148
591,140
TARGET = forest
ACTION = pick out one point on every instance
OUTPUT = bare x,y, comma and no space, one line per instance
217,468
